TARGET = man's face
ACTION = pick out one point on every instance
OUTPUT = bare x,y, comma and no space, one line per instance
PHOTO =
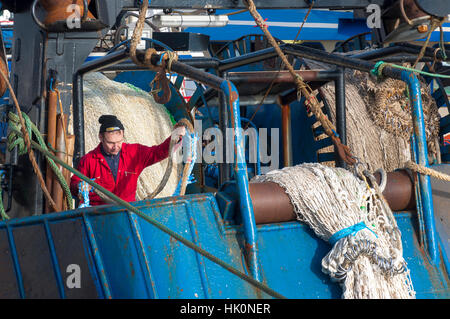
111,142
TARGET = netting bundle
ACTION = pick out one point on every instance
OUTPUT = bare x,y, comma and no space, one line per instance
366,257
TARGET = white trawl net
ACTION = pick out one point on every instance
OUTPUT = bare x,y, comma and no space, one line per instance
368,263
145,121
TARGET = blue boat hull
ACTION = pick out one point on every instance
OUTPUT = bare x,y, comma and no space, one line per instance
120,255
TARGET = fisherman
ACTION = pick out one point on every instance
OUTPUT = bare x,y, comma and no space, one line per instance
116,165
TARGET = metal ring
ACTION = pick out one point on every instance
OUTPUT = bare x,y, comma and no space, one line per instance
33,14
383,178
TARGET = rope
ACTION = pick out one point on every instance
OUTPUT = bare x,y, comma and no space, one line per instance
160,81
155,223
351,230
366,256
434,23
427,171
383,179
192,156
83,190
26,138
190,142
304,20
302,88
15,140
168,171
166,58
137,32
281,67
235,12
402,10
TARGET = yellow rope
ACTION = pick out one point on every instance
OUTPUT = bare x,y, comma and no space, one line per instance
28,143
427,171
137,32
434,24
304,20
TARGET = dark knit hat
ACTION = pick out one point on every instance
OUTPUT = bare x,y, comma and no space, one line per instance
109,123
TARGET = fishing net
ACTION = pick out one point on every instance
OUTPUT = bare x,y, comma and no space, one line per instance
366,257
378,118
145,121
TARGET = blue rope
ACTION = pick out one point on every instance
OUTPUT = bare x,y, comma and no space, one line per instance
352,230
335,134
82,186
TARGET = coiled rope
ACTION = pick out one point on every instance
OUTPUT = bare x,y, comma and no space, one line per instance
160,82
26,132
14,140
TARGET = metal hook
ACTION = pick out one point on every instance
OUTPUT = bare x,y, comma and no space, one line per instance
33,14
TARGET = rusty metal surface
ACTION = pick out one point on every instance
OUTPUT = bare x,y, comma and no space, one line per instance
269,76
286,134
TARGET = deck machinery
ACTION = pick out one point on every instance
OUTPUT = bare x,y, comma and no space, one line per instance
121,255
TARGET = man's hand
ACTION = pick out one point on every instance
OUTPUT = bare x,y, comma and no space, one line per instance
178,132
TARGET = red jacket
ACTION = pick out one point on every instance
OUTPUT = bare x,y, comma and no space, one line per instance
133,159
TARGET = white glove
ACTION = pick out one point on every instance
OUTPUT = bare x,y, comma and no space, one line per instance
180,131
177,135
